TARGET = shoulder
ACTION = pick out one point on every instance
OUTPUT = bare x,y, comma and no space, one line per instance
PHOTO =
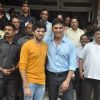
88,45
23,39
68,31
48,40
68,41
44,44
27,43
48,23
80,30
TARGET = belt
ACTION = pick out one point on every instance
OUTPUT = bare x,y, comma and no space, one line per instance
58,73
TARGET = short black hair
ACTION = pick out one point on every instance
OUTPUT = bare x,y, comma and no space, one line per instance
45,9
11,25
14,17
57,21
85,35
25,3
39,24
74,17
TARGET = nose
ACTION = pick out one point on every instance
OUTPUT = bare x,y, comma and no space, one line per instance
58,29
42,33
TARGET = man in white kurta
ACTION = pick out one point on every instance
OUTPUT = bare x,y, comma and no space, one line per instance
90,64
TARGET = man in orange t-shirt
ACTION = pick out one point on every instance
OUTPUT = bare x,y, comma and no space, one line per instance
32,64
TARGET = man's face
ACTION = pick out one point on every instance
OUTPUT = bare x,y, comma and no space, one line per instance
97,36
39,34
16,22
29,29
84,40
74,23
67,21
9,31
58,30
25,8
44,15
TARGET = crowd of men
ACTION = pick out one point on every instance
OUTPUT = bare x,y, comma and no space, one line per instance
56,55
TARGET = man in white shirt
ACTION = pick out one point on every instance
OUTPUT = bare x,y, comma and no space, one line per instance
74,33
84,39
90,63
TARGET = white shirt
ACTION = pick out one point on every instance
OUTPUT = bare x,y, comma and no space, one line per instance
91,57
74,35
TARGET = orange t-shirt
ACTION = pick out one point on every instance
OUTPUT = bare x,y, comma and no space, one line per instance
32,60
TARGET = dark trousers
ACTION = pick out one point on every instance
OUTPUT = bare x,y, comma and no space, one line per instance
78,84
90,89
54,82
8,88
19,94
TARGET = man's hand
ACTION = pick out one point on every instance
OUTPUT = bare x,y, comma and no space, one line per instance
81,75
64,86
27,91
6,71
12,69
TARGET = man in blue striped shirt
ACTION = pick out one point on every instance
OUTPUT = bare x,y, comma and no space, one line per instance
61,63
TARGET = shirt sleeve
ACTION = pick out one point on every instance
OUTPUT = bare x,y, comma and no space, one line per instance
72,58
23,57
84,52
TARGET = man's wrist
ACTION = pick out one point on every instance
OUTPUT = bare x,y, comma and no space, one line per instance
25,86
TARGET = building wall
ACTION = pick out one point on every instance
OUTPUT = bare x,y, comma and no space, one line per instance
98,13
74,7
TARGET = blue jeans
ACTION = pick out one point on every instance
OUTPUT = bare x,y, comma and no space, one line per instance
37,92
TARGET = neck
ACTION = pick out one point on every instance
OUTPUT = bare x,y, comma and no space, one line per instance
16,30
58,40
9,39
36,41
75,29
43,20
83,46
25,14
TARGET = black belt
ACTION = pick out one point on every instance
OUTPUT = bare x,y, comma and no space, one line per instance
58,73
